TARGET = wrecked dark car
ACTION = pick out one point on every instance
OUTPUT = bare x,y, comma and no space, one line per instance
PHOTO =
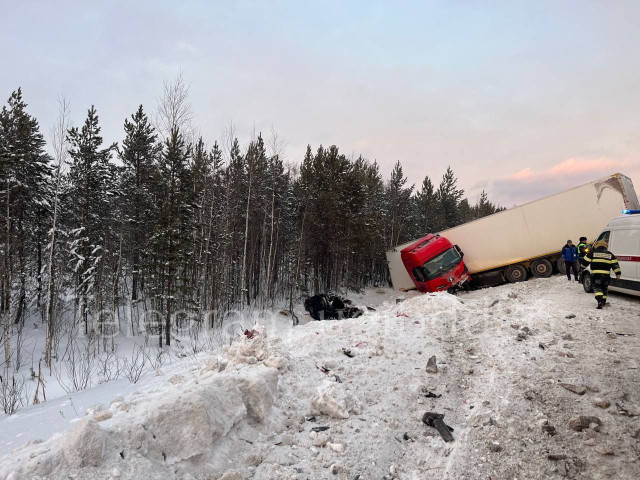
330,307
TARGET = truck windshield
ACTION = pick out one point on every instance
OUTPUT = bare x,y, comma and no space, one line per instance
441,264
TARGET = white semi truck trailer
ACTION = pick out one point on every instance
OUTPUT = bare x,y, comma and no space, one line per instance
511,244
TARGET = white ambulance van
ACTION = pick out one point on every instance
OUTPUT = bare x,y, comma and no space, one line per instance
623,237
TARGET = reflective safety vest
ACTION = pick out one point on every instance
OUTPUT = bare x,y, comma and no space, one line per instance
582,249
602,261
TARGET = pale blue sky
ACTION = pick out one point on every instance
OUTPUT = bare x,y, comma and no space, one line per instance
491,88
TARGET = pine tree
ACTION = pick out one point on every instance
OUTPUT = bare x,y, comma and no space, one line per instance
464,212
212,234
398,197
27,180
91,190
484,207
172,232
25,175
139,157
449,196
427,215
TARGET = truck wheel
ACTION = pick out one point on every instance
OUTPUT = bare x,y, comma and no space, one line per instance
587,284
561,266
516,273
541,268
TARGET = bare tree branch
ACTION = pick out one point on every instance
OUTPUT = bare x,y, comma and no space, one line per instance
173,109
228,137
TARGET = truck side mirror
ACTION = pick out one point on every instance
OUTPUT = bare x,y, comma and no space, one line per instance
460,252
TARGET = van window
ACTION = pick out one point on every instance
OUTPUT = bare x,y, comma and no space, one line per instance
604,236
625,242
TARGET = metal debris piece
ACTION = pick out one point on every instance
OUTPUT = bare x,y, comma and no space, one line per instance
348,353
436,420
432,395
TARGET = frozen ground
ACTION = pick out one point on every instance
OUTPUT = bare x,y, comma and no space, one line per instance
249,411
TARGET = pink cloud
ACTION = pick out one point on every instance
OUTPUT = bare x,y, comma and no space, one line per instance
570,167
527,184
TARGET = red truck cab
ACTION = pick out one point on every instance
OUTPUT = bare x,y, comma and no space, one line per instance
434,264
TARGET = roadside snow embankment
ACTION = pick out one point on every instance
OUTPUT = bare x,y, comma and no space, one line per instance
160,435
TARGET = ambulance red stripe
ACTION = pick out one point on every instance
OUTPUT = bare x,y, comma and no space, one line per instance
627,258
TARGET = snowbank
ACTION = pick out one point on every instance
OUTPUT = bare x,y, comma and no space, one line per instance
165,434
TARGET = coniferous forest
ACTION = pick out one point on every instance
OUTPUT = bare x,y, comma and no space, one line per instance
188,229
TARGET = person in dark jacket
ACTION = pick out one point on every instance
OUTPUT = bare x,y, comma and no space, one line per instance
583,249
601,261
570,257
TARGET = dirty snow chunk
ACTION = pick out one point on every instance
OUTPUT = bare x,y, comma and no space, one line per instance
582,422
258,386
577,389
102,416
22,447
276,361
211,365
330,364
184,425
244,348
84,444
336,447
320,440
93,409
231,476
253,459
177,379
604,450
333,400
495,447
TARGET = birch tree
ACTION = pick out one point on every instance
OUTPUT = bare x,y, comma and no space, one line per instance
60,144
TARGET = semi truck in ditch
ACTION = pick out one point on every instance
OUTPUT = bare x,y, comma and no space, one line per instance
512,244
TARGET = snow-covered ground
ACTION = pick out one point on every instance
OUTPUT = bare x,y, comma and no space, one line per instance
503,355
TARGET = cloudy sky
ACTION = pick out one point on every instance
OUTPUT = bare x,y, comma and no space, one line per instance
520,98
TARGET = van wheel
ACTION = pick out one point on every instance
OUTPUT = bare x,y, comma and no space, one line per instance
562,268
516,273
541,268
587,284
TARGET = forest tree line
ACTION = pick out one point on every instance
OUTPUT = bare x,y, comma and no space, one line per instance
163,221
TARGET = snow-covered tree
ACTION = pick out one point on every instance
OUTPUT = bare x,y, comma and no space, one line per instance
91,197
